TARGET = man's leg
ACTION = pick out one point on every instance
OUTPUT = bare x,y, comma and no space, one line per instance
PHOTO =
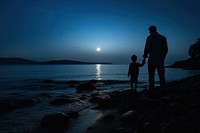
161,73
135,87
151,71
131,83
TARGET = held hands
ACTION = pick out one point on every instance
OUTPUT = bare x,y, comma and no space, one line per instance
143,61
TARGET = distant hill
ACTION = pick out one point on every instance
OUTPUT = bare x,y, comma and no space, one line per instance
16,61
25,61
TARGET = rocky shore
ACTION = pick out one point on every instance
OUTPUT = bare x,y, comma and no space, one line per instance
172,110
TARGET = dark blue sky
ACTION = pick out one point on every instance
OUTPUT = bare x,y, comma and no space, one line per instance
73,29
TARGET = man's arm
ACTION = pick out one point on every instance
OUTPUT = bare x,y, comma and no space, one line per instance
143,62
165,49
147,47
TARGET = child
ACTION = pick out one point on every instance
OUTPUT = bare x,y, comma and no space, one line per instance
134,71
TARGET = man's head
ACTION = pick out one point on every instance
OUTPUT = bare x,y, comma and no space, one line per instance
152,29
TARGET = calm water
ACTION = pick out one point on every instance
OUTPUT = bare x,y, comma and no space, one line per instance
23,81
23,78
10,73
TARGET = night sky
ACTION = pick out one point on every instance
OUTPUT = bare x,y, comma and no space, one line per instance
73,29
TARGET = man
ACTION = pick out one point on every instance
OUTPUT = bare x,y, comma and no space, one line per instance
156,47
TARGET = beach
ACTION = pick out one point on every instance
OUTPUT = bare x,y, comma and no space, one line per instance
174,109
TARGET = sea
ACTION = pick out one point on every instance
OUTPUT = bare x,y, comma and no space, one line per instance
13,75
25,81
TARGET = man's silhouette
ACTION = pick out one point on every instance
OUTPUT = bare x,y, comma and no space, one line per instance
156,47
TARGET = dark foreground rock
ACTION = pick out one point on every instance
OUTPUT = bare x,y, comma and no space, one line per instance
53,123
173,110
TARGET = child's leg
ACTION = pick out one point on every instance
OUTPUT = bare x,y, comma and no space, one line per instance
131,80
131,85
136,81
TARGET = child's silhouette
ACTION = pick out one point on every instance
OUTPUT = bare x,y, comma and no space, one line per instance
134,71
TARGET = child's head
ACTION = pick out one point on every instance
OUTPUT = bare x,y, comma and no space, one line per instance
134,58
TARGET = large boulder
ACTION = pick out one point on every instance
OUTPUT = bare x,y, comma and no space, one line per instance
129,117
55,121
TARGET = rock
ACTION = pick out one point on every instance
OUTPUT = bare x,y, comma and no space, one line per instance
96,99
72,83
61,100
115,97
73,113
6,106
149,127
108,118
149,103
85,86
102,100
182,127
150,123
26,102
83,98
177,108
119,130
105,103
128,117
55,121
194,116
105,124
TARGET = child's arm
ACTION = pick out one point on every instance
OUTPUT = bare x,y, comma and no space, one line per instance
143,62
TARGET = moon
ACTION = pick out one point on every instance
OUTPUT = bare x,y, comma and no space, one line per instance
98,49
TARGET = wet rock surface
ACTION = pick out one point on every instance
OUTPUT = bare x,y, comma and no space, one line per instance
175,109
54,123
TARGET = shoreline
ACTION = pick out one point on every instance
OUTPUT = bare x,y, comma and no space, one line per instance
104,108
